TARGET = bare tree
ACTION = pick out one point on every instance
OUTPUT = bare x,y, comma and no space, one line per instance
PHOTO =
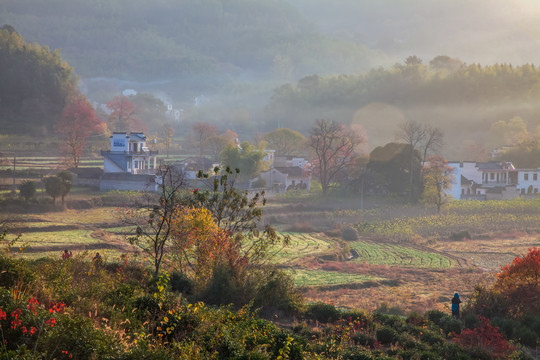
413,134
334,146
433,141
155,217
201,133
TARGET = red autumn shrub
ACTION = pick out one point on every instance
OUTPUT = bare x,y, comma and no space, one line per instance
485,340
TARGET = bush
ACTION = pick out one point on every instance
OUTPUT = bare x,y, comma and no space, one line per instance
278,293
27,189
485,341
323,312
459,236
450,325
180,282
224,288
386,335
435,316
349,234
526,336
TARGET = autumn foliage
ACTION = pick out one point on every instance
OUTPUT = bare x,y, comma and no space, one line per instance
200,244
485,340
519,283
77,123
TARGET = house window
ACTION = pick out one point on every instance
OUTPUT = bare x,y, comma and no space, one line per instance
536,190
478,192
525,177
119,142
491,176
523,191
535,176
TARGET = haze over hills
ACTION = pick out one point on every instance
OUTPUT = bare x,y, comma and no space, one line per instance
239,53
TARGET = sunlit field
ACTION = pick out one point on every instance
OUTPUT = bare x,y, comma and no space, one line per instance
404,256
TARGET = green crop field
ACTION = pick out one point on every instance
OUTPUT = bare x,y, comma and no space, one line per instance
304,278
398,255
302,245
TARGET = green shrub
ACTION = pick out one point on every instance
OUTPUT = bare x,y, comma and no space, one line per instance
14,271
323,312
180,282
470,320
363,339
526,336
278,293
431,338
223,288
386,335
356,354
435,316
450,325
349,234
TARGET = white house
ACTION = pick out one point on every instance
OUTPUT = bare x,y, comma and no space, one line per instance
129,154
287,173
484,180
528,181
129,164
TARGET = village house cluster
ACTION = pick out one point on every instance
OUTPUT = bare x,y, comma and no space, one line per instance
130,165
494,180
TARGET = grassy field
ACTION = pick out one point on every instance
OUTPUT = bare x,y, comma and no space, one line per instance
303,245
399,255
316,278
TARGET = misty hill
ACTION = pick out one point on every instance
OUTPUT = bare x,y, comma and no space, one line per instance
35,85
204,40
467,102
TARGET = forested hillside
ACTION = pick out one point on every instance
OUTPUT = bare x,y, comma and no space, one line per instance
141,40
35,84
470,103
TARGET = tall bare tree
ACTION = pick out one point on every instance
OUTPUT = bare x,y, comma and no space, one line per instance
202,132
433,141
413,134
421,139
334,147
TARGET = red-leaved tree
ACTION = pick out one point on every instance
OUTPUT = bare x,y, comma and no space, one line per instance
122,117
519,283
77,123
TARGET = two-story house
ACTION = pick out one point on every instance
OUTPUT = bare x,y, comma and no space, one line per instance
129,164
484,180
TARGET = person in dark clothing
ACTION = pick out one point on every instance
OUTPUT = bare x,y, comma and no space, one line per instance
455,305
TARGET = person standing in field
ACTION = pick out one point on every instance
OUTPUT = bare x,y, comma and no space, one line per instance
455,305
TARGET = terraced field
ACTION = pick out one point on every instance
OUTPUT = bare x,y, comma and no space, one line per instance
397,255
303,245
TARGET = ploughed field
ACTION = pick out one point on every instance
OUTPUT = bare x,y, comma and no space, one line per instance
373,271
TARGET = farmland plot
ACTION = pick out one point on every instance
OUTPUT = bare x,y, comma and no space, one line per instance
398,255
302,245
305,278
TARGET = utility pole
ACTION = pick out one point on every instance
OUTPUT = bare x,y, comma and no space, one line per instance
13,188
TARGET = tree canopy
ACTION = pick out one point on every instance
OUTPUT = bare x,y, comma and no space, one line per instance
35,84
